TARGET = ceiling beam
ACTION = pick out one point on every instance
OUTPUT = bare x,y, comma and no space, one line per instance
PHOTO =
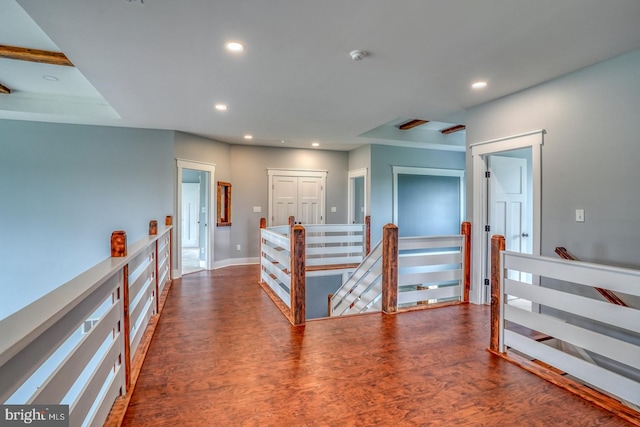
411,124
453,129
34,55
5,90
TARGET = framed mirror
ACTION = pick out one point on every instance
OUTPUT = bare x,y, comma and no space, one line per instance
224,204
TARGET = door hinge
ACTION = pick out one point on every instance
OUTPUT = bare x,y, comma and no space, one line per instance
487,282
487,228
487,174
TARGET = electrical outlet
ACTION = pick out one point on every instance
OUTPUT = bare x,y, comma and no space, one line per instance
257,208
238,247
579,215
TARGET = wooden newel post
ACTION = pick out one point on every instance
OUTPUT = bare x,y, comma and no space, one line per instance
119,244
367,230
497,245
298,275
292,221
390,268
465,230
168,221
153,227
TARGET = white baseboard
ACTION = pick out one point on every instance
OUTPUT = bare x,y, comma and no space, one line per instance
224,263
235,261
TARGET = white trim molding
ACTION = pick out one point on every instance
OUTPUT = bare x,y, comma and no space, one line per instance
406,170
200,166
352,174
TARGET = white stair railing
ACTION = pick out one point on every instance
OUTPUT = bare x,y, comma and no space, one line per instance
599,328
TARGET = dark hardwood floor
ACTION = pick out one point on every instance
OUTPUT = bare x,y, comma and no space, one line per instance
224,355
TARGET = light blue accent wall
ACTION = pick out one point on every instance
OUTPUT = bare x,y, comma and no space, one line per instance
589,157
64,189
383,158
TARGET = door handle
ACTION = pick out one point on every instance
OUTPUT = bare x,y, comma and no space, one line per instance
525,234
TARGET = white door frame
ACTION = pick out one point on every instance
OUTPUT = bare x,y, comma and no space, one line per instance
356,173
200,166
406,170
298,173
479,153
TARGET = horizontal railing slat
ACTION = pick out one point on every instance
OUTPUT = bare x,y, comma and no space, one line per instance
582,273
429,277
602,311
610,347
333,228
141,282
80,408
325,240
275,287
430,242
313,262
328,250
415,260
280,274
280,256
72,366
275,239
139,323
614,383
429,294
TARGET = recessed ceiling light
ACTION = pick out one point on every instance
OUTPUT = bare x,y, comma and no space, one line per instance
235,46
50,78
315,144
221,107
248,137
479,85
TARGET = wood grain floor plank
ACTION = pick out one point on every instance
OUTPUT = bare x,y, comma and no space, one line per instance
224,355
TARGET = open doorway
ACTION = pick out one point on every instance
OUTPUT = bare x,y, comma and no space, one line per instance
507,178
194,236
357,196
427,201
194,222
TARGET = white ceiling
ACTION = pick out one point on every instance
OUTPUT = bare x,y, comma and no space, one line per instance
162,63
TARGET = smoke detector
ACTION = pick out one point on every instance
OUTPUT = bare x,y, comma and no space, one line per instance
358,55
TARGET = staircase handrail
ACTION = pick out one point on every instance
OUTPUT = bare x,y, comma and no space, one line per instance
606,293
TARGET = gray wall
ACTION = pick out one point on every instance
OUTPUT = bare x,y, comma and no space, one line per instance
589,158
383,157
64,189
250,182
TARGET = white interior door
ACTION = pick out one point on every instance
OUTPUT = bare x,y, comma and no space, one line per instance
309,200
190,215
285,199
295,193
508,205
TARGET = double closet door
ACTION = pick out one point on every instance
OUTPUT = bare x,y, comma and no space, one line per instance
300,194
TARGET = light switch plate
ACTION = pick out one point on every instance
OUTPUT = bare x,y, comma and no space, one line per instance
579,215
334,209
257,208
